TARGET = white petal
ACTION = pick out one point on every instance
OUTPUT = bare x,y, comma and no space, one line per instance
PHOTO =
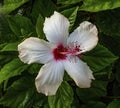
80,72
49,78
86,35
56,28
34,50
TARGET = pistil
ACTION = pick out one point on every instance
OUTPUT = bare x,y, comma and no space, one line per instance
61,52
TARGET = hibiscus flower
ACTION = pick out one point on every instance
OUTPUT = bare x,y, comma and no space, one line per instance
61,52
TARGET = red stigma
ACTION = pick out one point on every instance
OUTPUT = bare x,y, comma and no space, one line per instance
57,53
61,52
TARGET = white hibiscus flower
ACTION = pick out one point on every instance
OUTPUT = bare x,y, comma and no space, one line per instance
60,53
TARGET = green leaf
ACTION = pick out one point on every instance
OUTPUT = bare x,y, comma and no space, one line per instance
104,74
116,89
67,2
94,104
21,26
40,101
80,17
99,5
109,25
99,58
20,94
11,5
111,42
117,74
4,59
42,7
97,90
13,68
39,27
63,97
10,47
114,104
6,35
34,68
2,45
97,104
71,14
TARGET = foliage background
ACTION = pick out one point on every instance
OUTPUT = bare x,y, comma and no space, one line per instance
20,19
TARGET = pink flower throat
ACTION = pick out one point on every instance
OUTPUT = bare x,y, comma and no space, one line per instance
61,52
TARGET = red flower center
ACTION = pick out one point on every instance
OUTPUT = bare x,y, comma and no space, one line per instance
57,53
61,52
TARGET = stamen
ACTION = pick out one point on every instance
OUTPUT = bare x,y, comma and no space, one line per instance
60,53
70,51
74,48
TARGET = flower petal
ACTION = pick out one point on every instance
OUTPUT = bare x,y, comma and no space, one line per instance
56,28
80,72
35,50
85,35
49,78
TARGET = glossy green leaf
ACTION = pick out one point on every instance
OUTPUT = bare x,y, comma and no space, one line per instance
63,97
21,26
104,74
39,27
68,1
4,58
40,101
99,58
111,42
6,35
71,14
13,68
94,104
114,104
10,47
97,90
42,7
109,22
20,94
99,5
34,68
2,45
81,16
10,5
116,89
117,74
